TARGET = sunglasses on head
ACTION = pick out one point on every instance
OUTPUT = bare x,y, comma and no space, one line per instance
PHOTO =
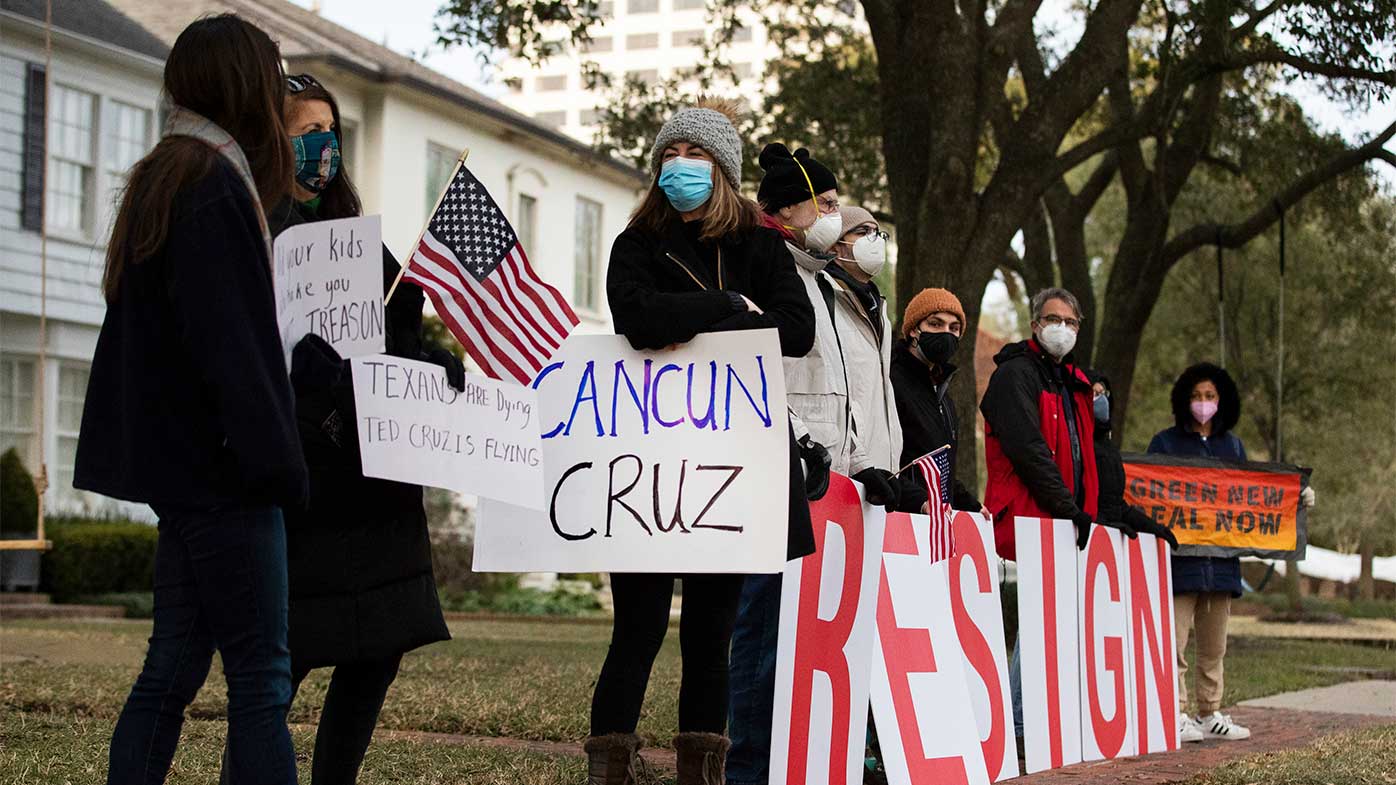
300,83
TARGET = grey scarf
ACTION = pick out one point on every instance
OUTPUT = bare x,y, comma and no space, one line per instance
184,122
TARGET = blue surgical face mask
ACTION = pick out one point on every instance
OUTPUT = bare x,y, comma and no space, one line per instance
317,159
688,182
1102,408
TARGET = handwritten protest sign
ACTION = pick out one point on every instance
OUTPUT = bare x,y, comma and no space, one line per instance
328,279
1222,508
675,461
414,427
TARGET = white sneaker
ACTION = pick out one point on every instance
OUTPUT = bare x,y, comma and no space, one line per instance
1188,729
1220,726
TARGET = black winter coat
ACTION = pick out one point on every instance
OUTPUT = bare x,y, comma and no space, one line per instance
928,418
1110,479
663,291
188,403
359,558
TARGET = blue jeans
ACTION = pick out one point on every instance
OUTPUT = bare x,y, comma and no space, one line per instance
1015,686
220,584
753,680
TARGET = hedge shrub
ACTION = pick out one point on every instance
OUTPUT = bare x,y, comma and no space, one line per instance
19,503
98,557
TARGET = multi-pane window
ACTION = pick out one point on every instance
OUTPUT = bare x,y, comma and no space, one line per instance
601,43
549,83
526,221
586,281
71,164
647,76
17,408
687,38
72,389
642,6
642,41
127,130
441,161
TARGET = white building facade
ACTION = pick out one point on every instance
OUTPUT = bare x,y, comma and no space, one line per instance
405,127
646,39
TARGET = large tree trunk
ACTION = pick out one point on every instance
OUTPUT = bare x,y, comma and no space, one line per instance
1136,280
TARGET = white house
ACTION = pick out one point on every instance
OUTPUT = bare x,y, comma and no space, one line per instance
101,113
404,125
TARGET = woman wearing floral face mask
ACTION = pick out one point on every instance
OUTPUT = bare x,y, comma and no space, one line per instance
1206,406
362,592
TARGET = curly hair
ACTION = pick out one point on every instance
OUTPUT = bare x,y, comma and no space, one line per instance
1228,403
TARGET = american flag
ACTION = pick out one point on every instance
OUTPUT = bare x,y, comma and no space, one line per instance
935,467
469,262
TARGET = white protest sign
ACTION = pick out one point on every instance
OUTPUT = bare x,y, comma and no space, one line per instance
671,461
328,277
975,601
920,696
414,427
825,647
1107,684
1047,618
1154,665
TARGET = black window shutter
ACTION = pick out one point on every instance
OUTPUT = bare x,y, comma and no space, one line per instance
35,116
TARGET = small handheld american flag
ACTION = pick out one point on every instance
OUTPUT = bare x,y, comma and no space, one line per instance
469,262
935,469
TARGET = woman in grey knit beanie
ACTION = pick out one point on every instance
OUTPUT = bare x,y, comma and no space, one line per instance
694,259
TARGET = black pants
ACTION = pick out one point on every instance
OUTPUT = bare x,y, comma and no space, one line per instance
642,602
347,720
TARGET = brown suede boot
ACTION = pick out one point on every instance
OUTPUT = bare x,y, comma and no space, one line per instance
702,758
610,757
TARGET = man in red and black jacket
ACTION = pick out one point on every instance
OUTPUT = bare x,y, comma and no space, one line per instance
1038,426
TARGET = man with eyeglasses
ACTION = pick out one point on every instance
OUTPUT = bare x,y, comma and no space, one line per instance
1039,431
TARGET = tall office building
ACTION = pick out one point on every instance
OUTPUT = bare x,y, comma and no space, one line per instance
649,39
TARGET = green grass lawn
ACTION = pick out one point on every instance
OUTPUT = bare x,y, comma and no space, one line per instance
63,683
1366,757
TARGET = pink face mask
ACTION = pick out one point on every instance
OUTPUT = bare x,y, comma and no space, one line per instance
1204,411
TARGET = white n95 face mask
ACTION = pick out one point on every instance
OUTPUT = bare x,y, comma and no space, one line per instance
821,236
870,253
1057,339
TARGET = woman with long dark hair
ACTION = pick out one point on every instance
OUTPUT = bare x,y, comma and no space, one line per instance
694,259
362,591
189,408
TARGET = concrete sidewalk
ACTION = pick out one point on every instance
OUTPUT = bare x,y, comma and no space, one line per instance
1375,698
1273,729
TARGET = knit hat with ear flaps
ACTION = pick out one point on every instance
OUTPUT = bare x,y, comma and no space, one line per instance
785,180
711,126
927,302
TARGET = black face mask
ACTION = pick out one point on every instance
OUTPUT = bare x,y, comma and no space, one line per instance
937,348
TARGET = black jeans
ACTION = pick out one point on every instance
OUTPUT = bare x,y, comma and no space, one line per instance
347,720
220,583
642,602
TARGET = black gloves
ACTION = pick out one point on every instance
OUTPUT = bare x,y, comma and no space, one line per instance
817,462
455,369
881,486
1150,526
315,363
1083,529
1122,526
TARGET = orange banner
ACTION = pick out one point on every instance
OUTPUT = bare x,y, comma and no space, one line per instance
1217,508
